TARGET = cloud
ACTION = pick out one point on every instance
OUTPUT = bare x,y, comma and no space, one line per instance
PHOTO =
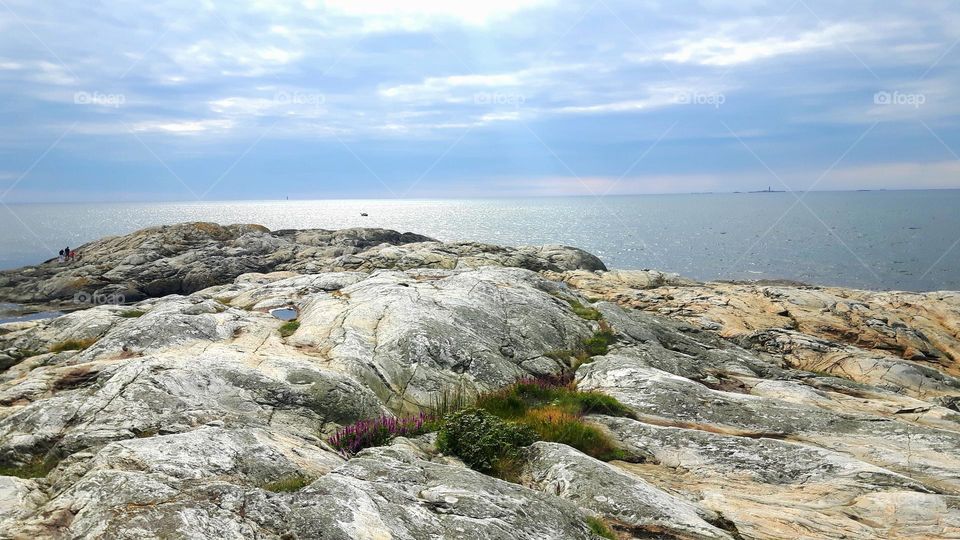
394,77
235,59
730,50
185,127
412,15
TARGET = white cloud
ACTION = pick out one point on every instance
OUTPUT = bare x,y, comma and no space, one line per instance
186,127
433,86
50,73
726,50
656,97
379,15
233,59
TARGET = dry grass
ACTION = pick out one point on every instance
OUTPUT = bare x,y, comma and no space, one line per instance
72,345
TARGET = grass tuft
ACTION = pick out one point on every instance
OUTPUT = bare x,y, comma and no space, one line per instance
288,484
600,528
450,401
72,345
584,312
553,408
599,343
287,329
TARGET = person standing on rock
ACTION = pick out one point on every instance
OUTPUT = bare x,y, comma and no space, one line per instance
60,258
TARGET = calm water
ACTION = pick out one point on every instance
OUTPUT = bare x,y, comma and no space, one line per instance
877,240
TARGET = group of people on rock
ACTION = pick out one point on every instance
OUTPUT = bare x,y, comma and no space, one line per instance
67,255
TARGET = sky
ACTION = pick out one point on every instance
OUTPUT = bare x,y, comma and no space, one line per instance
133,101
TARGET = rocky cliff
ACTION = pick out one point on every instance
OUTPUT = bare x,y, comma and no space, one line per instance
756,411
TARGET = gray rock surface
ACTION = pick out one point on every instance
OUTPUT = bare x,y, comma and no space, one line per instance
182,415
185,258
633,502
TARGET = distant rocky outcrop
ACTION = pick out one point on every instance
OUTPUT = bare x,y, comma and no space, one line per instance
185,258
756,411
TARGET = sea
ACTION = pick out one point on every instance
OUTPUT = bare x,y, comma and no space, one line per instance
880,240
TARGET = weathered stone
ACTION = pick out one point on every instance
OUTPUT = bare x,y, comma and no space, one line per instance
389,493
184,258
616,494
763,410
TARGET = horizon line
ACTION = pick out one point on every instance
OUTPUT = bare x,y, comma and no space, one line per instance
450,198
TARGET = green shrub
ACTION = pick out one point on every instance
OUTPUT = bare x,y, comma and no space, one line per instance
481,439
287,484
72,345
289,328
599,528
132,313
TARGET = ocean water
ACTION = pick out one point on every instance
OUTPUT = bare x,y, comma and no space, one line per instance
903,240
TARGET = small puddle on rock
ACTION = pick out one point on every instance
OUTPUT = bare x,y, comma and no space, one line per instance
285,314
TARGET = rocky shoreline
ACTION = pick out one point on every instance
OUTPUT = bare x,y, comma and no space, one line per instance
170,404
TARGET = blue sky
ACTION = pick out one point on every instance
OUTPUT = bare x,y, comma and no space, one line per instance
341,98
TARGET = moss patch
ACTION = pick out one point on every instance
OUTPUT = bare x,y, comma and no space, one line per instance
132,313
287,329
600,528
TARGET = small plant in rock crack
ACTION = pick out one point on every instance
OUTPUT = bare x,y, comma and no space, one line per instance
600,528
379,431
288,484
72,345
584,312
287,329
